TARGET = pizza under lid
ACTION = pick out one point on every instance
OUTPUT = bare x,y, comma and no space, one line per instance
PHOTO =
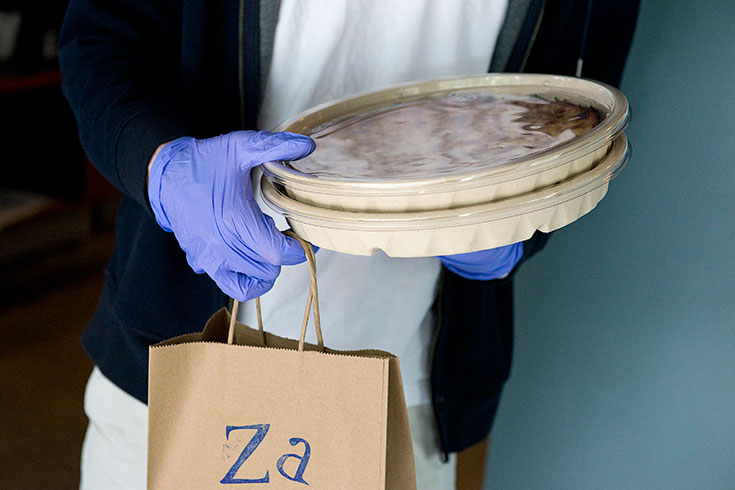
453,133
450,142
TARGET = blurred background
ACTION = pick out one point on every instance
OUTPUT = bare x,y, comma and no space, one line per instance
624,370
55,237
624,367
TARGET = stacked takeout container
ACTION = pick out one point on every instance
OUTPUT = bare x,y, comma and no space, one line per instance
454,212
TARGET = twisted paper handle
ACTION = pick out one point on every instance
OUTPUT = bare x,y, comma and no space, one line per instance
311,300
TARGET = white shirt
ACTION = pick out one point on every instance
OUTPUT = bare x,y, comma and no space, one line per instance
329,49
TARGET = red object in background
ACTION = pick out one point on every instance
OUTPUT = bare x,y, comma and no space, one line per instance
97,188
11,84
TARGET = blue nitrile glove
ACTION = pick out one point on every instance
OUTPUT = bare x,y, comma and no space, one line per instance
484,265
200,190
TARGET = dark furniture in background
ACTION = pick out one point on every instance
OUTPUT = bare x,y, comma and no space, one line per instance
54,206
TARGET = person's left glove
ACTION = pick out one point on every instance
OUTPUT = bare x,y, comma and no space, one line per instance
200,190
485,265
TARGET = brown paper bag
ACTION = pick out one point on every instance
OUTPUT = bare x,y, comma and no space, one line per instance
235,405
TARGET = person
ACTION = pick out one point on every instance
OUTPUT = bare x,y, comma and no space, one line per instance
173,100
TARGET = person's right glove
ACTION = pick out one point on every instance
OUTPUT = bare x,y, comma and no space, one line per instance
200,190
485,265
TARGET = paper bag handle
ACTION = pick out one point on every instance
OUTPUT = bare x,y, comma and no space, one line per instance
311,300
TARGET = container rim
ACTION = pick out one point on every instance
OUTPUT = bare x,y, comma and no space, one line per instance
606,170
611,100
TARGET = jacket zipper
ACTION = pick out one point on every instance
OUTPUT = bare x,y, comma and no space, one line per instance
241,60
240,83
585,30
432,354
439,309
533,36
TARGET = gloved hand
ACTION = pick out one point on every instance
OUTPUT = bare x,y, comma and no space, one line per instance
484,265
200,190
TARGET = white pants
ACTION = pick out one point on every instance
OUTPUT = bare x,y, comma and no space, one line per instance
115,446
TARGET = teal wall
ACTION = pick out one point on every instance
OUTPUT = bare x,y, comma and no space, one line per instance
624,369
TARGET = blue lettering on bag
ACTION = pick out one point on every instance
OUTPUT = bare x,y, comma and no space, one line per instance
298,476
260,431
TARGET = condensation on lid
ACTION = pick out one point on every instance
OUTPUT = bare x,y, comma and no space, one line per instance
368,143
456,132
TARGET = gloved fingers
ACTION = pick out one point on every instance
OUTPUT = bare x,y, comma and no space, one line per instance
313,247
264,146
273,246
240,286
485,264
280,249
253,236
295,253
482,256
203,257
252,266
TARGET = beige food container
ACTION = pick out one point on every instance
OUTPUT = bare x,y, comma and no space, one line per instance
452,190
453,230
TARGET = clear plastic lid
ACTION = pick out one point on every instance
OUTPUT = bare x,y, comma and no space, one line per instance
454,133
518,206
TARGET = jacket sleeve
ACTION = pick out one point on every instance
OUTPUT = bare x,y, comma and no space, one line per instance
119,73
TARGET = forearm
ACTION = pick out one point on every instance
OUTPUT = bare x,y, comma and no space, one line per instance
114,61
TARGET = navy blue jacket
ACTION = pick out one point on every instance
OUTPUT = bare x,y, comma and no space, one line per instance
138,73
